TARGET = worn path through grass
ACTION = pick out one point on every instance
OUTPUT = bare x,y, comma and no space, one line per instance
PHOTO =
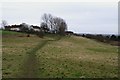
29,68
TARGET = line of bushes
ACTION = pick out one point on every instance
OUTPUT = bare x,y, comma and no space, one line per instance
102,37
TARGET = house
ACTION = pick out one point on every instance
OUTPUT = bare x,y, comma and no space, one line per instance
23,27
69,33
35,28
13,27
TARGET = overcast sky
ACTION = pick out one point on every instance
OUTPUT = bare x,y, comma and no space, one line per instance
81,17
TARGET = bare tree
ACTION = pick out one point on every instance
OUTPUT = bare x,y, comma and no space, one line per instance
60,25
55,24
48,19
62,28
4,24
45,18
44,27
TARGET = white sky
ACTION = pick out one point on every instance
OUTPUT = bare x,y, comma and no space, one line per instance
81,17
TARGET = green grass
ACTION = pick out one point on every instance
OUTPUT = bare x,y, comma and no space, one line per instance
15,50
9,32
56,57
70,57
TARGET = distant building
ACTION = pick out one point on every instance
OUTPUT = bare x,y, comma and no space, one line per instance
35,28
69,33
13,27
22,27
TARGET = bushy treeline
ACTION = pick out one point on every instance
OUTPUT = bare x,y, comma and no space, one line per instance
25,28
49,24
101,37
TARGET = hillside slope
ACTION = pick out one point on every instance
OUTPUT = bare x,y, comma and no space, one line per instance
77,57
52,57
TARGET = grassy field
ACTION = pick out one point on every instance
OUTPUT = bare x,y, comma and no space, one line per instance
57,57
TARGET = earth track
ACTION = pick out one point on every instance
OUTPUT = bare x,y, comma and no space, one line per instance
30,66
